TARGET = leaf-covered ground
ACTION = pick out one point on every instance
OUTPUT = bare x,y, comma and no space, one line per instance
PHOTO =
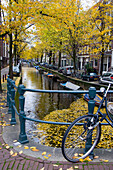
51,135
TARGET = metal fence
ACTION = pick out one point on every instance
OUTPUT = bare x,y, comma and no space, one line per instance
11,89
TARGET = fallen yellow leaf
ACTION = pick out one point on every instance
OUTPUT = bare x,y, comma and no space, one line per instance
71,168
0,148
4,124
42,168
34,149
81,154
55,165
74,157
45,157
81,160
15,141
26,147
87,159
44,153
96,157
19,146
76,154
7,147
15,154
11,152
106,161
20,152
6,144
49,155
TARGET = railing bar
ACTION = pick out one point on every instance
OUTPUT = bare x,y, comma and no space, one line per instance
48,122
55,91
15,109
14,85
63,91
55,123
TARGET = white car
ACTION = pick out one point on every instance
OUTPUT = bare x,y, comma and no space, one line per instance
108,76
16,70
68,70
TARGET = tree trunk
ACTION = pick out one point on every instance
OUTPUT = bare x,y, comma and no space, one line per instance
74,56
15,50
41,58
53,59
50,56
10,59
102,58
59,62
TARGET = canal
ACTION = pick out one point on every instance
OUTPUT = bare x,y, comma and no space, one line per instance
40,104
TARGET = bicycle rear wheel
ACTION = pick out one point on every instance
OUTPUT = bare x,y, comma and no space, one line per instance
75,138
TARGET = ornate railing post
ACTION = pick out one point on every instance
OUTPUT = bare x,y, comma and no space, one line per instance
9,94
91,105
7,91
13,120
22,136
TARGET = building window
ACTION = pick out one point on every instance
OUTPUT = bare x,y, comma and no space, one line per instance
96,63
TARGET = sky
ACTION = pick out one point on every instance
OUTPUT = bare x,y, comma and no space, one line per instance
87,3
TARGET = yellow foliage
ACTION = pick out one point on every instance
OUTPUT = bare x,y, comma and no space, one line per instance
54,133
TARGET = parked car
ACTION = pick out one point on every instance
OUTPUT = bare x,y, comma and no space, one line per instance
60,70
16,70
90,76
108,76
36,67
68,70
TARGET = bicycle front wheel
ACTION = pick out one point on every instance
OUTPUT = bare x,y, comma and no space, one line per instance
80,138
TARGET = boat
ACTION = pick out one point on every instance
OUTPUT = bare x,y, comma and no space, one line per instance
45,73
50,75
70,85
97,98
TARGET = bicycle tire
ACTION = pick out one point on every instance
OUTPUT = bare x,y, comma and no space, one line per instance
74,140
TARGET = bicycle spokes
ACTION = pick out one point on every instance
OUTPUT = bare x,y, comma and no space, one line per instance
76,137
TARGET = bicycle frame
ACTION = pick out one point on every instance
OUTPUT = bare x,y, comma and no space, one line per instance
99,112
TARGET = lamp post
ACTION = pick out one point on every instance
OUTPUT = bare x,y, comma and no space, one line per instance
0,74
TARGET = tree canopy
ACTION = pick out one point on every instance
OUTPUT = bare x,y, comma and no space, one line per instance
55,25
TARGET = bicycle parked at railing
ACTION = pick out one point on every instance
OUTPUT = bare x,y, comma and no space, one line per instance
85,129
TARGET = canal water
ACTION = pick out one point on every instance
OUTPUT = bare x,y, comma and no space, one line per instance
41,104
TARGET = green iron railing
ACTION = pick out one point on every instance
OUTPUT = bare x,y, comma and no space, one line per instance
22,116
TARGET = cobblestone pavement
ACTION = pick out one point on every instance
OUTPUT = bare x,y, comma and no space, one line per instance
19,161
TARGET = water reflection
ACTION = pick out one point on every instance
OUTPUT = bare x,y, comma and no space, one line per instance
43,103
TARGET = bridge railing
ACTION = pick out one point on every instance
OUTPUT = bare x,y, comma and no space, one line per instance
11,89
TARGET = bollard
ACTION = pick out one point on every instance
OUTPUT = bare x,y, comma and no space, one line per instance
91,105
9,95
22,136
13,120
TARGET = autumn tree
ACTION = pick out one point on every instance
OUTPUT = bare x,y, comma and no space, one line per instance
16,14
101,26
63,22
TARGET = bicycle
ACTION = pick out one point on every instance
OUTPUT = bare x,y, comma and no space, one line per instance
85,129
